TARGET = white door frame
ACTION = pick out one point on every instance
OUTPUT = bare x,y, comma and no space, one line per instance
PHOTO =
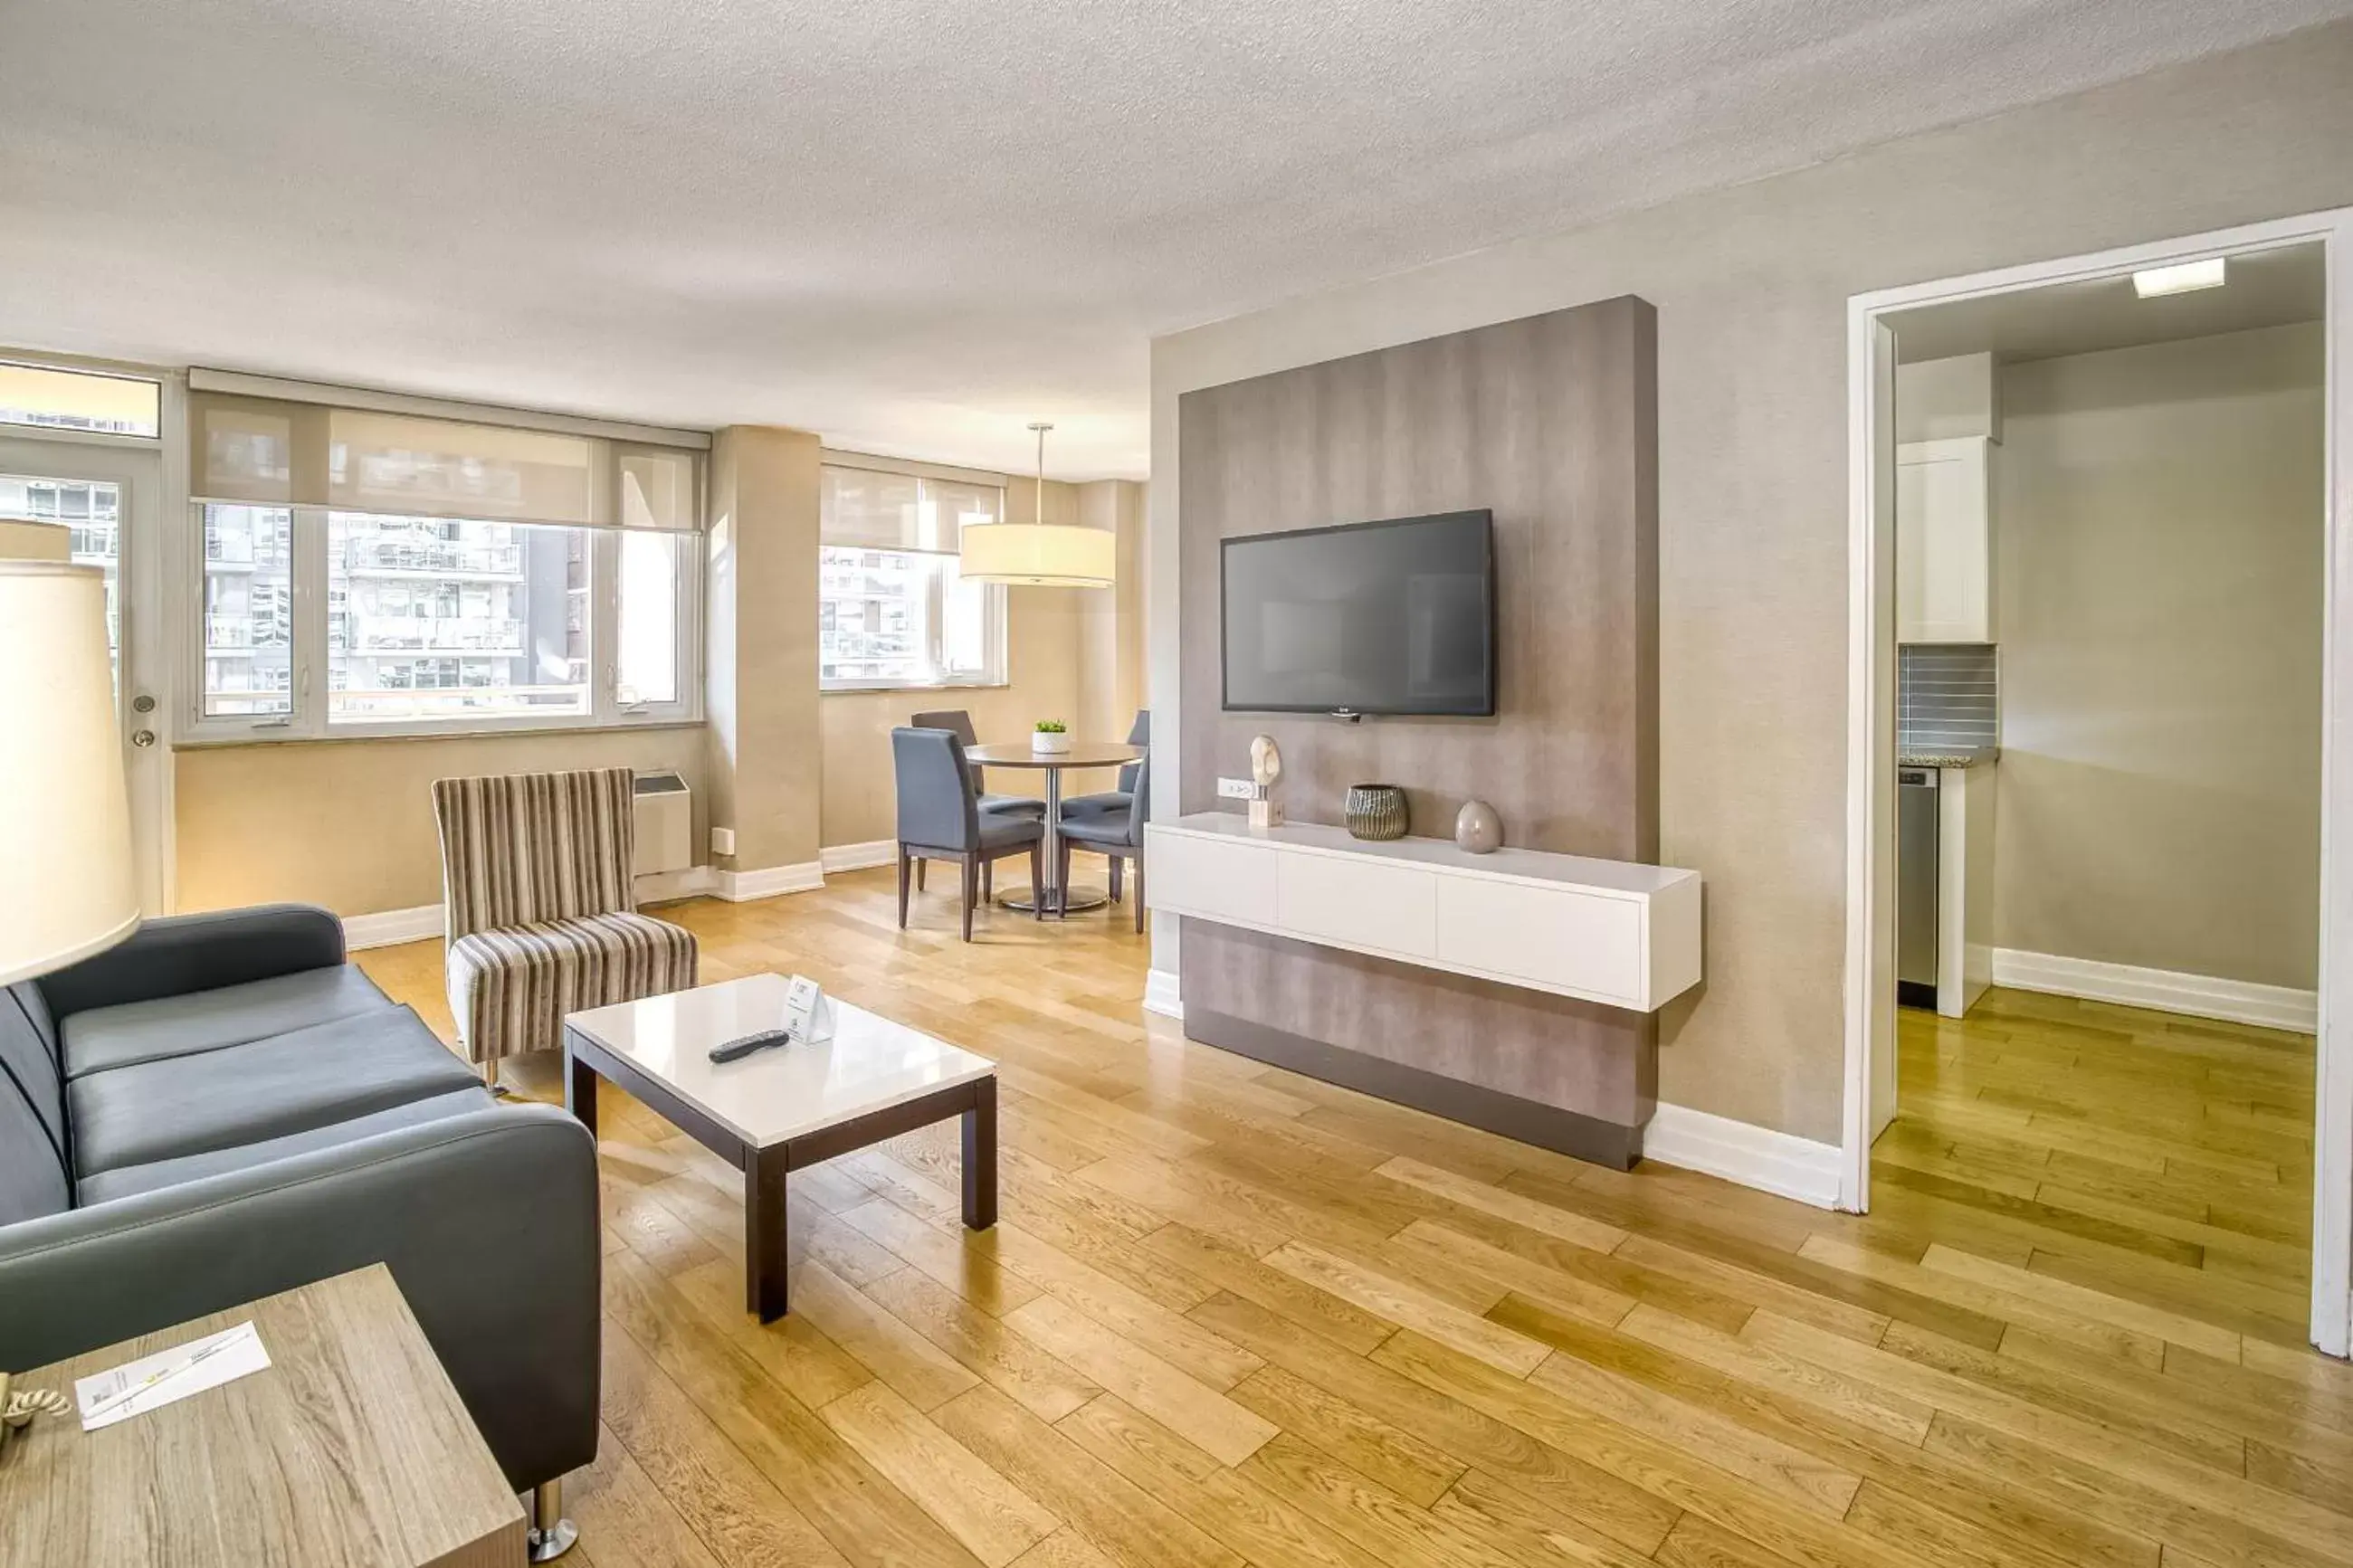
1869,1013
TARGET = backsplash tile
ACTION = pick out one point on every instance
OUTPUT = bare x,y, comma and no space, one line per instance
1948,696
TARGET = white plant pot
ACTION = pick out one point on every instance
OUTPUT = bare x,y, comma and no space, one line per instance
1048,745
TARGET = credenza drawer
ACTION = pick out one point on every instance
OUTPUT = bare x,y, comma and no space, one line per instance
1359,903
1189,875
1559,939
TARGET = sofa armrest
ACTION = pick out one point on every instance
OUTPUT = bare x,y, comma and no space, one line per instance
487,1221
176,954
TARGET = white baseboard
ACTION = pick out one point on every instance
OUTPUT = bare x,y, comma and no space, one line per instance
390,928
1161,996
1753,1156
2165,990
666,887
858,857
768,882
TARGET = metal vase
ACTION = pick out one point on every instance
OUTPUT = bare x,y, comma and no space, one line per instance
1376,811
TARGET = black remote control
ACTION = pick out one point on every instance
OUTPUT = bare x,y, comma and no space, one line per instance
735,1049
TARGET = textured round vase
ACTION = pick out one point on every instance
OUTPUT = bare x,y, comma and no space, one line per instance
1048,742
1376,811
1477,828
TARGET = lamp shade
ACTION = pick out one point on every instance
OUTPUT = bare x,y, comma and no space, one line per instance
1039,554
66,884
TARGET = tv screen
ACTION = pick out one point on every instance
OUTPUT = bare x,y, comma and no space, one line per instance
1374,618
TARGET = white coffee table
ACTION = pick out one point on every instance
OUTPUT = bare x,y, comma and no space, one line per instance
786,1108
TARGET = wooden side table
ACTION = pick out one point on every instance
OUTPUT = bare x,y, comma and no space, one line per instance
349,1449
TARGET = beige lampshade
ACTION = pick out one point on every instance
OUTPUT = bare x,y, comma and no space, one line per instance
1039,554
67,885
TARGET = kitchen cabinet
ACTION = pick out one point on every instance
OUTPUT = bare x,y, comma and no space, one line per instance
1943,541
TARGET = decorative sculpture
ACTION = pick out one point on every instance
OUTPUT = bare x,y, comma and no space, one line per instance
1266,767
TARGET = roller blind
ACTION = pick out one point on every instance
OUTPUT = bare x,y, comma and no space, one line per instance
263,451
866,508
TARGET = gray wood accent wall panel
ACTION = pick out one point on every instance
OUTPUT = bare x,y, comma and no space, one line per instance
1550,423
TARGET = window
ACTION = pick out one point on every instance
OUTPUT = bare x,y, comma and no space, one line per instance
372,574
91,511
434,618
79,400
893,609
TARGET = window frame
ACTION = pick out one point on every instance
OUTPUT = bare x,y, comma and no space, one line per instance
308,720
995,630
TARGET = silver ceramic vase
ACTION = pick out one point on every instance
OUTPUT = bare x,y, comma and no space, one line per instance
1477,828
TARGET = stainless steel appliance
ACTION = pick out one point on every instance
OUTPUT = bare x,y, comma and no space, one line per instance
1915,887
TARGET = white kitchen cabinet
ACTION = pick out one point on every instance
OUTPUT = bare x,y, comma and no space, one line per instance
1944,541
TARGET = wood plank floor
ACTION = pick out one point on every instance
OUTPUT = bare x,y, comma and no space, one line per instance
1230,1315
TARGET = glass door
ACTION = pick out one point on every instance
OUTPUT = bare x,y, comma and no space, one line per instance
105,496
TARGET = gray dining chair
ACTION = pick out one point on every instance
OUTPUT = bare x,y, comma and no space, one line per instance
940,818
1117,838
959,721
1110,802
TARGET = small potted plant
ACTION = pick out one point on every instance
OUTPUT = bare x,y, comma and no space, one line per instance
1050,739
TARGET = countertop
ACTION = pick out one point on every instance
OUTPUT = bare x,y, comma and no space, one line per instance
1959,757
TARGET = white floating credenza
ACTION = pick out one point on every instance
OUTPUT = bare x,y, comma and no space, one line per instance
1602,931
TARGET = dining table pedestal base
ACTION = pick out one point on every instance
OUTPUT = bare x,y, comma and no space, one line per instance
1060,901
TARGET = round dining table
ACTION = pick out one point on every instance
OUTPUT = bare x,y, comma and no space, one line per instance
1058,900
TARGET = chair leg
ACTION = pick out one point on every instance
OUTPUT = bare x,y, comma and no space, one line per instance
1139,894
971,887
902,886
1115,879
988,880
919,875
1036,879
1062,872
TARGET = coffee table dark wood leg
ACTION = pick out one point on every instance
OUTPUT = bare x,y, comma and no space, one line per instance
980,1157
580,1089
764,1235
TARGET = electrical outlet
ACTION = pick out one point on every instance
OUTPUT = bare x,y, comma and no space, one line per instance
722,841
1236,789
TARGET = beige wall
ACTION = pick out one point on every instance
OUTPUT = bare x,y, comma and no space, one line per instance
1751,286
1111,620
759,647
1940,399
349,823
2160,554
1065,650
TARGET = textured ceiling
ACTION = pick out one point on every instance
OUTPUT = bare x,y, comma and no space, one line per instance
909,227
2268,289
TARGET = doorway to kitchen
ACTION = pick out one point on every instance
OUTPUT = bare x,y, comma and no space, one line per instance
2101,719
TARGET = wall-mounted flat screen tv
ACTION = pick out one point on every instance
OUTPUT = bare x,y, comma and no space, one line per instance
1396,616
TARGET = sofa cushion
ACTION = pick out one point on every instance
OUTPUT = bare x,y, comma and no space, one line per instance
33,1140
131,1179
104,1038
264,1089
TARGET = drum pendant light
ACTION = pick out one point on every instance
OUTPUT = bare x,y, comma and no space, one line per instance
1038,554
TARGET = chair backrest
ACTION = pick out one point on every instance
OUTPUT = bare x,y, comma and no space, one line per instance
35,1177
938,806
959,722
519,848
1138,734
1139,804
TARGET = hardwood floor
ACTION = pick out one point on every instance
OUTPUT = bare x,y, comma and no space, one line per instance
1230,1315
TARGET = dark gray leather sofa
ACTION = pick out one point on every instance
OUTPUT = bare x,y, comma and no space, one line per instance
221,1108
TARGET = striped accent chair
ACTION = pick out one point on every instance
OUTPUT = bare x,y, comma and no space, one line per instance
535,878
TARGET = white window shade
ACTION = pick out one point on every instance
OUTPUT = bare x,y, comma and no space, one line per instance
866,508
264,451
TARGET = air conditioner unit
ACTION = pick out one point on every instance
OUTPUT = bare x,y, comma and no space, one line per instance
665,812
